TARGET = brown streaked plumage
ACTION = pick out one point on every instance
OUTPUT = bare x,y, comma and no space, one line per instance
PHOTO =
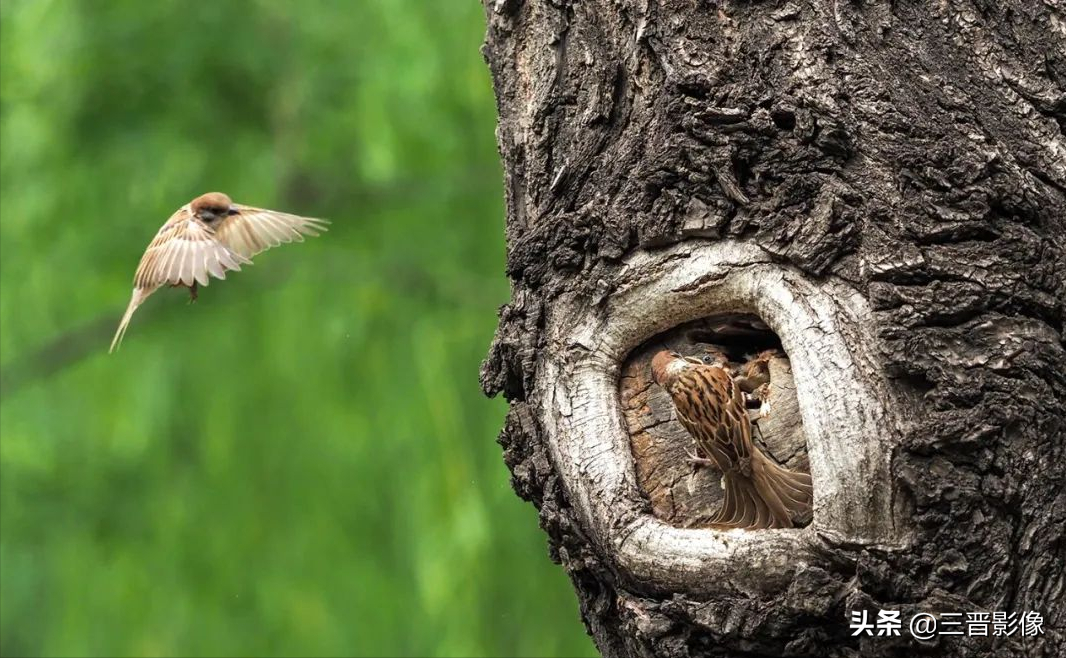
759,493
206,238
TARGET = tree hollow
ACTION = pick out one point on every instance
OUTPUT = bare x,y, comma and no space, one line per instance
822,326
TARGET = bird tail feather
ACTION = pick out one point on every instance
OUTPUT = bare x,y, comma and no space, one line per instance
772,497
139,295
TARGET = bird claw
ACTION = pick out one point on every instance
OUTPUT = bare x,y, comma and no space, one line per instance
764,409
696,460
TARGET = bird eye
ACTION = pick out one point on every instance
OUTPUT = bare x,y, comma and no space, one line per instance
707,358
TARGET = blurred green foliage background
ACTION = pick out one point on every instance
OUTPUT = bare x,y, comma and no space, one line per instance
301,463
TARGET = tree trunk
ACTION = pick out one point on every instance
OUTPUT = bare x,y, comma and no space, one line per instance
883,185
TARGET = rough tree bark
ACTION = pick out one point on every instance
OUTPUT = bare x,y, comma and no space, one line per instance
884,184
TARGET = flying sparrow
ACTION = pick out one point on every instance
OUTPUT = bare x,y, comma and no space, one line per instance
759,493
207,237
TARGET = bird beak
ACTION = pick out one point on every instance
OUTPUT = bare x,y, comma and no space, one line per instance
233,210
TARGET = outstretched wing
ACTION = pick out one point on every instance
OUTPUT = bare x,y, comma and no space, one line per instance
252,230
185,250
711,407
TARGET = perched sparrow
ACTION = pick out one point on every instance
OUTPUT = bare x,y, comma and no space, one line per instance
759,493
208,237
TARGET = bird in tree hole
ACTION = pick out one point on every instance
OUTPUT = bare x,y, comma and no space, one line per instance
753,377
207,237
712,405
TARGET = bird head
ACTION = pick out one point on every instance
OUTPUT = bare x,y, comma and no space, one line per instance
212,206
667,365
715,357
